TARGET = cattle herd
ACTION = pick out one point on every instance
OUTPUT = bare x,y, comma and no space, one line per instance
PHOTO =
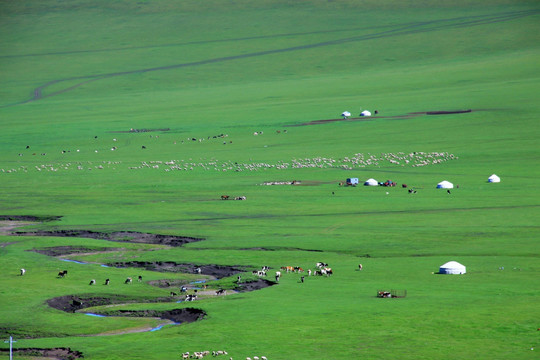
322,268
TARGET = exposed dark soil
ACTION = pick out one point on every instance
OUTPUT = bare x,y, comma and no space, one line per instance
448,112
70,250
217,271
254,285
176,315
120,236
73,303
29,218
54,353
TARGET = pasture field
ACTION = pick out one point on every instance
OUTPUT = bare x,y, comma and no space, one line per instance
137,117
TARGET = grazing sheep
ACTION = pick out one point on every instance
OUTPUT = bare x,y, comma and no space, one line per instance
140,278
107,281
360,267
92,282
62,273
221,292
23,271
128,281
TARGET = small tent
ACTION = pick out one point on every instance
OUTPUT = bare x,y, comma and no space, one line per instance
452,267
371,182
365,113
345,114
445,185
494,179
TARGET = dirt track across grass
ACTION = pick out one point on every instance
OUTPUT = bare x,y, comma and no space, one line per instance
395,117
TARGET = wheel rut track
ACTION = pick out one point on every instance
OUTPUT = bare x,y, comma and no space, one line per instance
400,30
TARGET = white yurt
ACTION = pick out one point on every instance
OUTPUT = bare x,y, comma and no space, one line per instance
371,182
345,114
494,179
445,185
365,113
452,267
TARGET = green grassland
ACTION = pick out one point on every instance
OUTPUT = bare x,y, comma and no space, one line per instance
77,76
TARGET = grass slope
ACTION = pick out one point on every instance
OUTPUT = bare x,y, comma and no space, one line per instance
77,77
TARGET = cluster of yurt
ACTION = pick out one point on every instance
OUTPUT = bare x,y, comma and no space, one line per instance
347,114
448,185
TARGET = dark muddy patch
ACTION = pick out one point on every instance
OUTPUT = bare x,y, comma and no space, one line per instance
217,271
254,285
279,249
73,303
76,303
31,218
175,315
119,236
71,250
448,112
52,353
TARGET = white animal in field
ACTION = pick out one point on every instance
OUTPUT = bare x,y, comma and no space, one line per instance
92,282
23,271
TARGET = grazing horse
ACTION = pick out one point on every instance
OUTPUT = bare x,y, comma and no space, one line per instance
224,197
403,185
287,268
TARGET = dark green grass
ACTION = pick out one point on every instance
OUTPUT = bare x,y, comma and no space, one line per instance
200,70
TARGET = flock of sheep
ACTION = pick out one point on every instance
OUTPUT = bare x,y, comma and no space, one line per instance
202,354
359,160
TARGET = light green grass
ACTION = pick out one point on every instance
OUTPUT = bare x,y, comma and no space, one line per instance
205,69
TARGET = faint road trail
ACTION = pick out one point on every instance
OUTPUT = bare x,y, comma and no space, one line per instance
400,30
